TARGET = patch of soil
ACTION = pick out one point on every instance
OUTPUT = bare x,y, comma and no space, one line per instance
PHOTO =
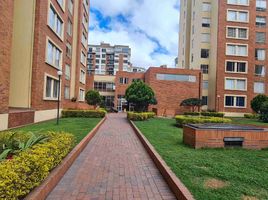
249,198
213,183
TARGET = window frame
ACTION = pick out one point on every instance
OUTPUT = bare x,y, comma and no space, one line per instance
235,97
82,79
61,37
79,99
236,44
237,31
263,87
237,10
236,61
45,83
235,79
239,4
48,39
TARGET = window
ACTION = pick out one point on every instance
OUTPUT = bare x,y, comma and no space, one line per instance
68,50
236,66
67,72
84,39
260,37
83,58
205,85
123,80
204,53
206,22
260,54
206,7
69,27
204,69
236,50
261,5
237,16
82,76
235,101
52,88
235,84
205,37
237,33
61,3
204,100
55,22
54,55
260,70
84,21
260,21
238,2
104,86
81,94
174,77
70,6
85,2
66,92
259,87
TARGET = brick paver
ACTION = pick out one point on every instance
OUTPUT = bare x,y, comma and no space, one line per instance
114,165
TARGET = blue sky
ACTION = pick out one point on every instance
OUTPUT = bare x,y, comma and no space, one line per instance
149,27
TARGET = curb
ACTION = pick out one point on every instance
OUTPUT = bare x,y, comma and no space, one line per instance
42,191
176,186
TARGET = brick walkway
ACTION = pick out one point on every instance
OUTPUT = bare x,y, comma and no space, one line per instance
114,165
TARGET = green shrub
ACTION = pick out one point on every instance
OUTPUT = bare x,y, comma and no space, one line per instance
182,120
256,102
30,167
212,114
251,116
207,114
264,112
100,113
134,116
192,113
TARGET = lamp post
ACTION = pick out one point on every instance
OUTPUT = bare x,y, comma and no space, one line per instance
58,109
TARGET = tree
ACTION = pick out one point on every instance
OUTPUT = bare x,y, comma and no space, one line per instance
93,98
141,95
264,112
257,102
192,103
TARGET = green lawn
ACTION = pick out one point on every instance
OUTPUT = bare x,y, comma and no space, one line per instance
79,127
244,172
255,122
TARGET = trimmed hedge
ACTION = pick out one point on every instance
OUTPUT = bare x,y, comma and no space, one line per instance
182,120
252,116
100,113
206,114
134,116
29,168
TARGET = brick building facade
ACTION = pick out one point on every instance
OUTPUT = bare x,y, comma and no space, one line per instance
38,39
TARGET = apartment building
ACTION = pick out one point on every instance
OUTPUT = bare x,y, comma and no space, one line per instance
226,39
38,39
105,59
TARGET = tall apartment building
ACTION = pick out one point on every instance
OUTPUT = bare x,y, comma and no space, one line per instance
227,40
38,39
105,59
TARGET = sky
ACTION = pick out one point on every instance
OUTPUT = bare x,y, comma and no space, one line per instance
149,27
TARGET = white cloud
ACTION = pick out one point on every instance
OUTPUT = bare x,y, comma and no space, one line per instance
151,23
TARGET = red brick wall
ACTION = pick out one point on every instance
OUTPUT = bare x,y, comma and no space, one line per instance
121,88
20,118
170,94
222,40
6,25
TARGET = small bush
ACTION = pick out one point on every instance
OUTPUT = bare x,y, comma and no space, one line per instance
251,116
192,113
207,114
212,114
182,120
134,116
264,112
30,167
84,113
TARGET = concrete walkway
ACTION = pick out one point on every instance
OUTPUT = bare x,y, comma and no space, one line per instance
114,165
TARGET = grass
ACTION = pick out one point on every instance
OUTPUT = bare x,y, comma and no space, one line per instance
79,127
245,121
245,172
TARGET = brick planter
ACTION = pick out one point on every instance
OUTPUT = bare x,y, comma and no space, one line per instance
177,187
42,191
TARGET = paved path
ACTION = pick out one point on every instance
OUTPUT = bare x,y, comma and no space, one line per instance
114,165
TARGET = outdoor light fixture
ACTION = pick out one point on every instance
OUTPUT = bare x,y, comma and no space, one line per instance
58,110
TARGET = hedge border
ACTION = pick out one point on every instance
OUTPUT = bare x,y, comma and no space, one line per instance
42,191
174,183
